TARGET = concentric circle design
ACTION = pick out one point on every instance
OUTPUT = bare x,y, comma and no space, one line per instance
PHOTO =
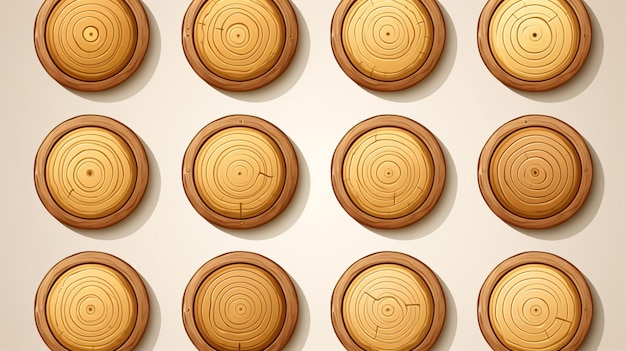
388,301
388,45
91,172
534,45
91,301
388,172
535,301
535,172
240,301
240,45
91,45
240,172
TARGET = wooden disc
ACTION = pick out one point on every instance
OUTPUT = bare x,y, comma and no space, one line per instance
91,45
388,45
240,172
534,45
240,45
91,172
91,301
535,172
388,172
535,301
388,301
240,301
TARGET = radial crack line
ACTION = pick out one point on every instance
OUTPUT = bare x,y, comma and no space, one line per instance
265,175
375,299
240,210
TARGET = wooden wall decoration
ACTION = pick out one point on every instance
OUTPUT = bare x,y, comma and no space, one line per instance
387,45
240,45
92,301
91,172
91,45
388,172
534,45
388,301
535,301
535,172
240,172
240,301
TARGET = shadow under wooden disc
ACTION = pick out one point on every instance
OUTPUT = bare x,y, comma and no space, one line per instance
91,45
240,301
240,45
387,45
534,45
92,301
535,172
388,172
91,172
240,172
388,301
535,301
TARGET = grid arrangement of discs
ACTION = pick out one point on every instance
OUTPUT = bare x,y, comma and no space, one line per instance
241,172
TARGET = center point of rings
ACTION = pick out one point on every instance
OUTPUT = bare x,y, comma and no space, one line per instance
90,173
90,34
91,309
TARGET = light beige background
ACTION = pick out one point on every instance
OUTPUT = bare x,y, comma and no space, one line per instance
315,104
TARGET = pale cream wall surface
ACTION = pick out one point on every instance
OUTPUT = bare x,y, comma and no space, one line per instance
314,240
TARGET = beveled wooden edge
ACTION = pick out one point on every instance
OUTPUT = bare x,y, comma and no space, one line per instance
388,257
535,121
291,171
143,38
509,80
92,257
289,49
114,126
535,257
235,257
439,30
439,165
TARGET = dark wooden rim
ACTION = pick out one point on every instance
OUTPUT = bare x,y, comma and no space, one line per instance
135,145
488,58
262,262
538,258
535,121
291,171
89,257
388,257
439,40
143,38
289,49
410,126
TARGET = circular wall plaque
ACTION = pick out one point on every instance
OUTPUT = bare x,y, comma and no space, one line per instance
92,301
388,301
240,301
388,172
535,301
91,172
535,172
240,172
240,45
91,45
387,45
534,45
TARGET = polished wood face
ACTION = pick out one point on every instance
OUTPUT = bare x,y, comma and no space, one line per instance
240,172
534,45
535,301
240,45
535,172
91,172
91,45
388,301
92,301
388,172
240,301
387,45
